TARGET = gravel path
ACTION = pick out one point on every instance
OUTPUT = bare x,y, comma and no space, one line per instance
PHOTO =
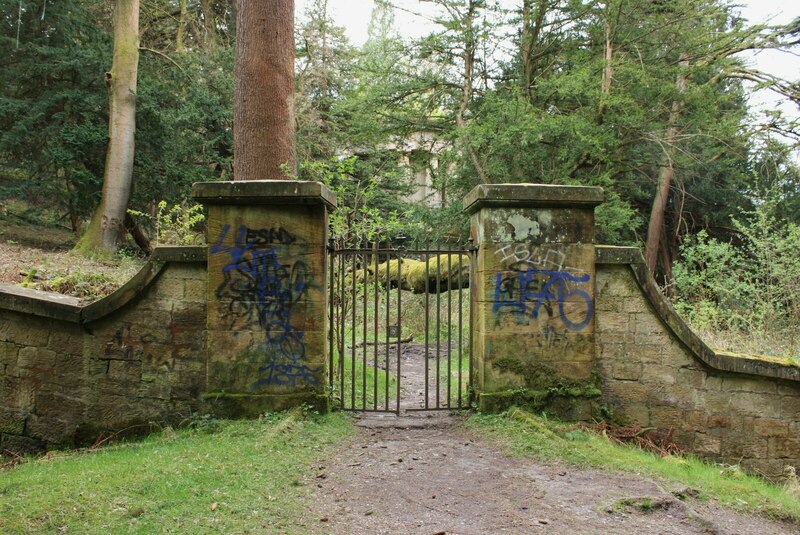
424,473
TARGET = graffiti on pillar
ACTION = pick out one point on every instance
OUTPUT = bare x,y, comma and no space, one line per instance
262,290
524,294
521,257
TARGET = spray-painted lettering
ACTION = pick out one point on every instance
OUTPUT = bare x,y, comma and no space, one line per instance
525,293
261,290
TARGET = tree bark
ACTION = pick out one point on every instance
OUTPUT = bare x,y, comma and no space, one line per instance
665,177
107,227
209,24
263,118
531,30
180,36
467,88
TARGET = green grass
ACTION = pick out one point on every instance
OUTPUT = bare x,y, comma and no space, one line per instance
365,391
254,471
524,434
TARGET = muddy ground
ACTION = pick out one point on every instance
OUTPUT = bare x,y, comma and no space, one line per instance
424,473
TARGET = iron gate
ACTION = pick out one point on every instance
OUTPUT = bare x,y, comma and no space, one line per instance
399,328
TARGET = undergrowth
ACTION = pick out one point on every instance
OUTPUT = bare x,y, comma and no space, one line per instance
525,434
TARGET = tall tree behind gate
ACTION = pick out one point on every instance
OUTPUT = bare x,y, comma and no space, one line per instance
263,114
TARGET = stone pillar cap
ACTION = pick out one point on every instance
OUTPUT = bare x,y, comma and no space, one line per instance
249,192
532,195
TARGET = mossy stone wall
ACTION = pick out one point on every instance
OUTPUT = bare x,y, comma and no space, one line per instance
65,381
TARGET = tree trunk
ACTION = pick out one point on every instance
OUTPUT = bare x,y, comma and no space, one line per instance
467,88
180,36
263,118
529,39
209,24
665,178
107,227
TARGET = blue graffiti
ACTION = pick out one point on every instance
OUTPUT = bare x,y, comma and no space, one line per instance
260,289
537,288
288,374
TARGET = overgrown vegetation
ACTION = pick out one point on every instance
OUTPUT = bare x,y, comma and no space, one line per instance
218,476
34,253
647,101
744,296
525,434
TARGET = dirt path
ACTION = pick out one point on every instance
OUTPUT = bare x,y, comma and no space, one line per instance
424,473
431,476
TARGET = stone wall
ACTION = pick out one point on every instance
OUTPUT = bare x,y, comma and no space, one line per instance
655,372
69,373
582,331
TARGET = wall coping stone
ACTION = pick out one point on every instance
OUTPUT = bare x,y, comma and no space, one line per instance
73,310
609,254
720,360
46,304
250,192
532,196
180,253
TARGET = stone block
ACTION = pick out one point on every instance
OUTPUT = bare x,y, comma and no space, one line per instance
8,353
789,389
197,271
756,405
658,375
12,421
771,427
20,445
667,417
614,323
263,226
648,323
605,304
761,385
661,340
720,421
713,383
128,372
637,413
695,421
617,281
636,305
626,393
706,445
769,468
692,377
628,371
66,342
784,447
169,288
536,225
25,333
36,357
790,408
736,446
305,315
154,390
195,290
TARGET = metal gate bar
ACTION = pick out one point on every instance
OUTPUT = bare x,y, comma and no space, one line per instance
360,278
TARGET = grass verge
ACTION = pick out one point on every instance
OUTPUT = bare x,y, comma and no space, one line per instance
524,434
226,476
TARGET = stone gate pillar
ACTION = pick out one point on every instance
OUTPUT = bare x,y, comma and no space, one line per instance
267,294
533,323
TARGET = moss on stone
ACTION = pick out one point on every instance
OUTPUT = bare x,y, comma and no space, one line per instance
535,374
235,405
